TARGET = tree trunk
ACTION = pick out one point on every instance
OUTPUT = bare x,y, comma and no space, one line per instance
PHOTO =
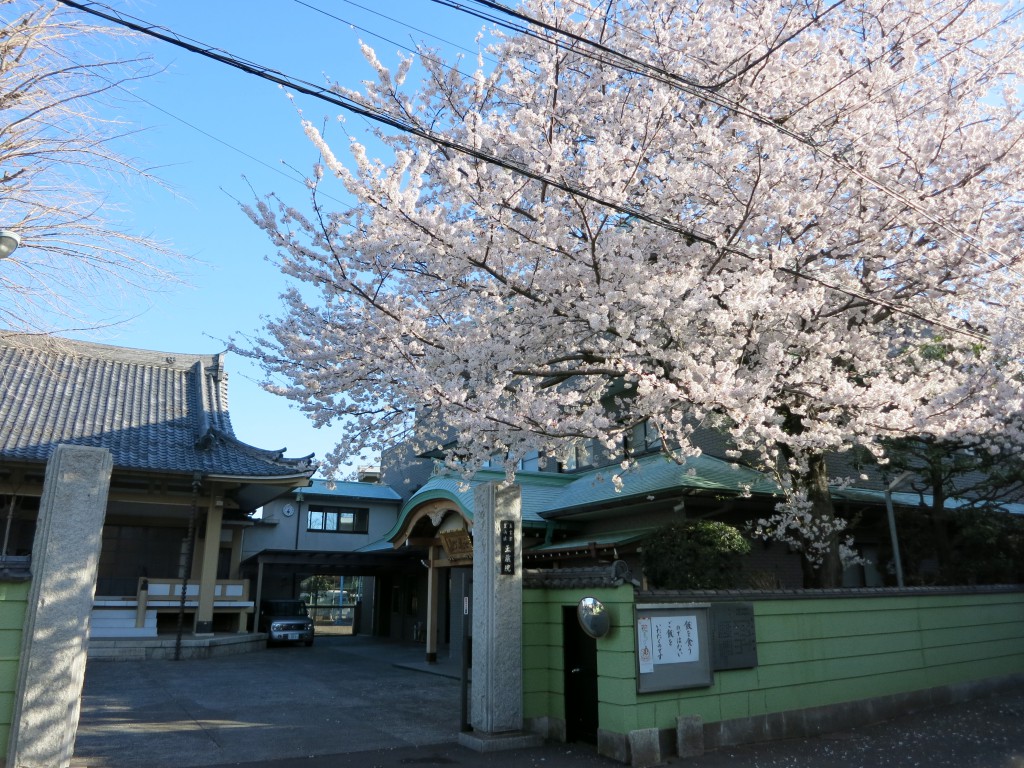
940,521
815,483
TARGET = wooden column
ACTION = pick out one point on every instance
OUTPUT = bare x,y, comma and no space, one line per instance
236,553
432,604
208,573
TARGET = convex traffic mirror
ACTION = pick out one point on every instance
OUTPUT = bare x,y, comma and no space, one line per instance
593,617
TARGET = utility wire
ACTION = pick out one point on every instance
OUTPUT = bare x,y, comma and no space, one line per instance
664,76
386,18
710,94
441,140
1012,16
639,67
297,179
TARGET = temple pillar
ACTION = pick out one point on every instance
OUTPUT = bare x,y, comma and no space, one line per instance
432,604
209,555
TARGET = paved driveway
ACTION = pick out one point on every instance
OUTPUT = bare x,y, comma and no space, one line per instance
342,695
343,704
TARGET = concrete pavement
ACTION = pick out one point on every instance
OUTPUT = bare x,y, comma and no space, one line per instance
345,704
342,695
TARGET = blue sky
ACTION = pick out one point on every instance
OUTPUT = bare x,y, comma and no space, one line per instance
215,135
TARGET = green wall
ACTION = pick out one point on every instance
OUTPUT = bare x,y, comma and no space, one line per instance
542,648
811,652
13,602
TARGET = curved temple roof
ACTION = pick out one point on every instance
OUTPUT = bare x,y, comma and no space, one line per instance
551,496
154,411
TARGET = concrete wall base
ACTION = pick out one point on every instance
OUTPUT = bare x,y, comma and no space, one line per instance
804,723
549,728
499,742
644,748
139,649
692,737
613,745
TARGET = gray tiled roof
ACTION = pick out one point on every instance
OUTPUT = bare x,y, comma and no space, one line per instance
154,411
590,577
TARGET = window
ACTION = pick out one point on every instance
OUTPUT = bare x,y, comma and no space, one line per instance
575,457
530,462
647,437
643,438
337,519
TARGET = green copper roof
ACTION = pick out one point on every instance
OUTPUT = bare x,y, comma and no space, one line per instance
657,473
608,539
547,494
539,490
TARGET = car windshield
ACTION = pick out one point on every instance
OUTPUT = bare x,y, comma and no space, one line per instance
287,608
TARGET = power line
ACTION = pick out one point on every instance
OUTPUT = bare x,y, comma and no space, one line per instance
212,137
710,93
386,18
666,77
441,140
416,51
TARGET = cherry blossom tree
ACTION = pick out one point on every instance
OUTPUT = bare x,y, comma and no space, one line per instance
58,148
797,221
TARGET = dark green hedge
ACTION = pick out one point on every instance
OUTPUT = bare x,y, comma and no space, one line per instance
694,554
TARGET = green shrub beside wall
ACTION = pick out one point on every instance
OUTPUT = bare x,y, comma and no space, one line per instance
812,651
13,603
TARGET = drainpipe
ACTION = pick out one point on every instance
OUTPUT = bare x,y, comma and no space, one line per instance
298,518
186,565
892,527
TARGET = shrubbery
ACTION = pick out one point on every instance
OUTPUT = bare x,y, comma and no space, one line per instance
695,554
984,548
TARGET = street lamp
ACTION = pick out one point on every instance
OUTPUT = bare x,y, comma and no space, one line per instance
9,242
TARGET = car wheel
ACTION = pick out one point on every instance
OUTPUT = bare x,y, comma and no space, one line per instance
309,642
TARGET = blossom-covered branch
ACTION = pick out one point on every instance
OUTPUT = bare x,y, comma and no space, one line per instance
856,276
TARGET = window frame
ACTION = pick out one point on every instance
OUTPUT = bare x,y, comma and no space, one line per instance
333,519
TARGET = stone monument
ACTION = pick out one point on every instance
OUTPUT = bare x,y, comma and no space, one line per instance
65,554
496,712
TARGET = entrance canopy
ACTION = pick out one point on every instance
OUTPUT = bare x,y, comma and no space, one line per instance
366,563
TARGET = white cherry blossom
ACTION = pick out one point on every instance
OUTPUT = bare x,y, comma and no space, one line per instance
800,222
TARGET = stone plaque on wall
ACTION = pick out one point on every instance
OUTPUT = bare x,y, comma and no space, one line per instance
733,639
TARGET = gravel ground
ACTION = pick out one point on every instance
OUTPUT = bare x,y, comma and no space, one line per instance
982,733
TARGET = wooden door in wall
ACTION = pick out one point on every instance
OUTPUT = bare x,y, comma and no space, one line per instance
580,658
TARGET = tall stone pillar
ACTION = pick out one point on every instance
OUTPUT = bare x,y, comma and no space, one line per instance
65,555
497,694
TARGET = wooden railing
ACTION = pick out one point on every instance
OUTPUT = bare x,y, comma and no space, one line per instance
164,596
